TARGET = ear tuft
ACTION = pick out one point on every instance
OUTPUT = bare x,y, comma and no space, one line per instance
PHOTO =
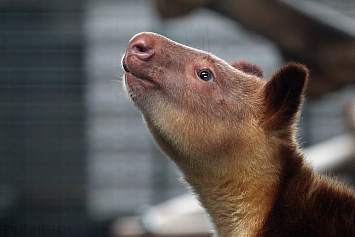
283,95
248,68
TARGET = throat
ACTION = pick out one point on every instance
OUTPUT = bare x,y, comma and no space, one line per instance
237,208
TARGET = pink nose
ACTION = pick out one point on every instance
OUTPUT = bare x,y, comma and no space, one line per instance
141,46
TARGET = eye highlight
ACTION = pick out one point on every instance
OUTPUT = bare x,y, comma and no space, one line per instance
205,75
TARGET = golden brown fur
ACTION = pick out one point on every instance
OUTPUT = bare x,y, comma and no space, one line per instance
233,138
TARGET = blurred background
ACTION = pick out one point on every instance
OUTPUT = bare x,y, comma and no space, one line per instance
75,156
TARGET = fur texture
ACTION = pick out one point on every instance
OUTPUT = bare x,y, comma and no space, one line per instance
233,138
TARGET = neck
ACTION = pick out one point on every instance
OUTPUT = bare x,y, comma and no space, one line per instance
237,206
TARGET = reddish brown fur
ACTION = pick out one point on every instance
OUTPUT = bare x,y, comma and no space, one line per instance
249,68
234,140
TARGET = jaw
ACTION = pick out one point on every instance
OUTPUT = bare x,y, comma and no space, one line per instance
133,81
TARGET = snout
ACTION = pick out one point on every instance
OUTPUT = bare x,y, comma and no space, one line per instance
140,47
138,61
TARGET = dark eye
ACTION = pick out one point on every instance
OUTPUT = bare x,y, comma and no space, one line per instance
206,75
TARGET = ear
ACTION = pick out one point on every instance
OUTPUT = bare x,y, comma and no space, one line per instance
248,68
283,95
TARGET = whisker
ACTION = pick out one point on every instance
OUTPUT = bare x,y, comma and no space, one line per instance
187,39
208,38
118,83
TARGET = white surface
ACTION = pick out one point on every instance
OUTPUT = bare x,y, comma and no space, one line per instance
331,153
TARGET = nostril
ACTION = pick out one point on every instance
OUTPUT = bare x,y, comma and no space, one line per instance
142,51
138,48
